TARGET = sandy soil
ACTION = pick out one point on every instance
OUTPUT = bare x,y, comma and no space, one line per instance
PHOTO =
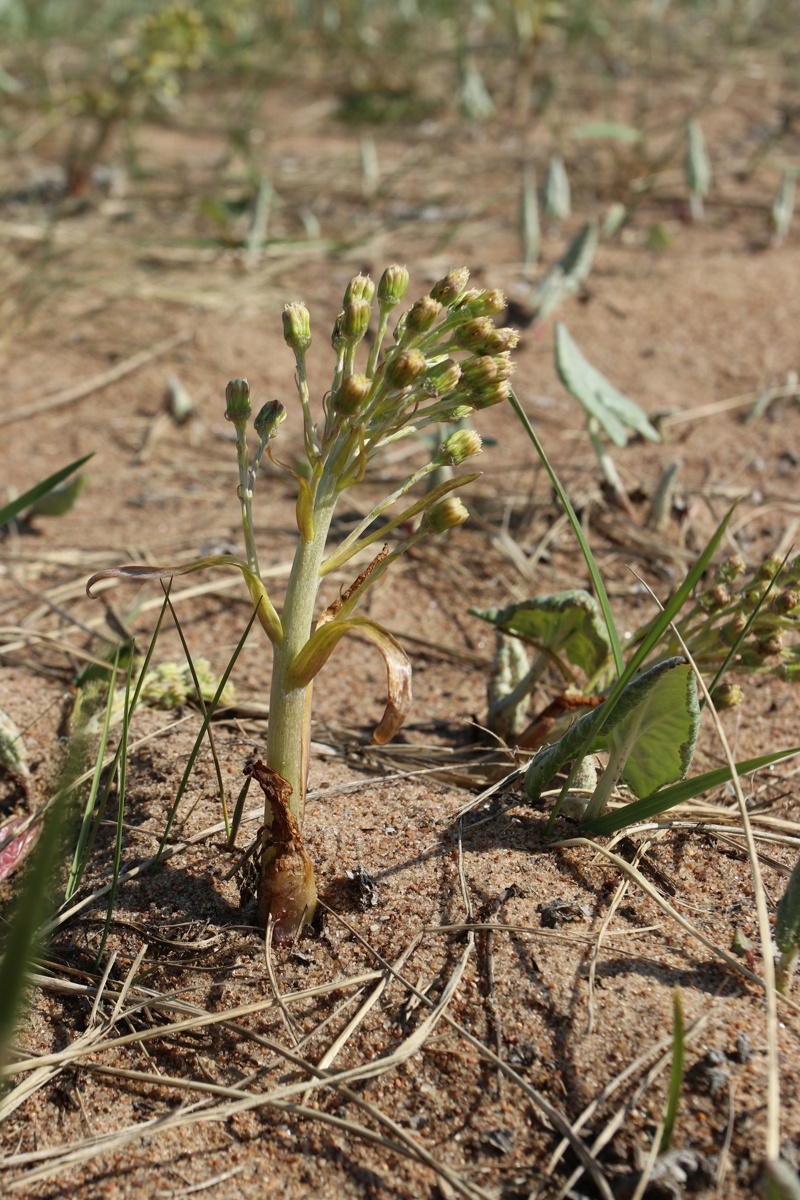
470,1046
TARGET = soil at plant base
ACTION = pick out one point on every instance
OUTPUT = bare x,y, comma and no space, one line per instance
400,996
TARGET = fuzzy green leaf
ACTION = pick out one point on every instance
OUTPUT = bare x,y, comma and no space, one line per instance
659,736
566,622
566,275
606,129
551,759
787,916
599,399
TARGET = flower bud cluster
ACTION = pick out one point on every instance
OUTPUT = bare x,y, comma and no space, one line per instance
757,611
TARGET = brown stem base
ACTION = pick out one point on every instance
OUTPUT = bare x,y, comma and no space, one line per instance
286,889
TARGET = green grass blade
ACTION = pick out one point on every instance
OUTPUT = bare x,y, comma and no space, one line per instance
15,507
204,711
238,810
594,572
76,870
35,900
676,1073
198,741
122,774
100,807
678,793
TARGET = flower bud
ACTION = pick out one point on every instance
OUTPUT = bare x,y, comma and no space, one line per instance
351,394
237,401
500,341
270,416
447,514
486,303
492,393
505,364
461,445
354,320
451,415
405,367
756,592
448,290
392,286
769,567
360,287
715,598
422,315
771,645
297,327
734,628
727,695
788,602
472,334
477,372
730,568
444,377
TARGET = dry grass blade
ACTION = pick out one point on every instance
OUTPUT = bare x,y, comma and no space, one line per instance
338,1080
70,395
654,894
75,1053
616,1122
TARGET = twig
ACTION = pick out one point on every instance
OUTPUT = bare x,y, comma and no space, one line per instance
97,382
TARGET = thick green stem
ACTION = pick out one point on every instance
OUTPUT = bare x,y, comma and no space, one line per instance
289,708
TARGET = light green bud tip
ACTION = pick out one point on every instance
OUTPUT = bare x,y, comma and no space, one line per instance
354,320
445,376
493,393
297,327
448,289
447,514
270,416
727,695
237,401
482,303
352,394
460,446
769,567
405,367
360,287
393,286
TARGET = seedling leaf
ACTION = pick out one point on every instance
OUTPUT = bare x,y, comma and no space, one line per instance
567,274
566,622
15,507
599,399
606,129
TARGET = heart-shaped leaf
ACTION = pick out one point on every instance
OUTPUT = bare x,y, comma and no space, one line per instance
656,741
567,623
